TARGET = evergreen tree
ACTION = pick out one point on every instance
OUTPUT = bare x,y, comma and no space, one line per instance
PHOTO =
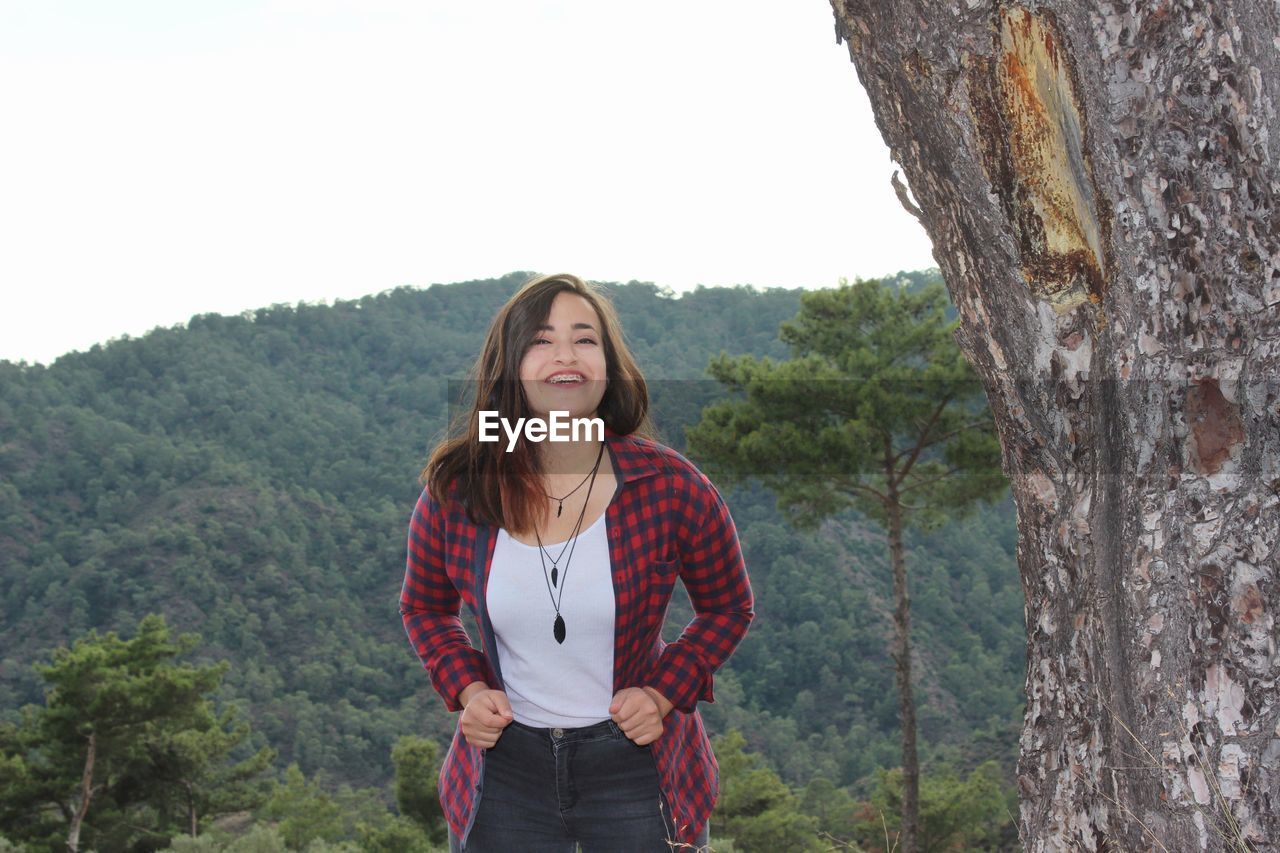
302,811
118,714
756,809
833,808
876,410
184,773
417,769
975,813
395,835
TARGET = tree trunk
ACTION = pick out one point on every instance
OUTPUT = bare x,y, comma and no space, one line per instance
902,659
86,794
1099,184
193,817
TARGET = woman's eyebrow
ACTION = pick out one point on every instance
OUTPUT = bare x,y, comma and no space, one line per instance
547,327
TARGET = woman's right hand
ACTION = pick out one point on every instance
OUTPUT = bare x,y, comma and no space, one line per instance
485,713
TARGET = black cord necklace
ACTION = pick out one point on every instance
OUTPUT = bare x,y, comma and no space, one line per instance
561,501
558,627
590,474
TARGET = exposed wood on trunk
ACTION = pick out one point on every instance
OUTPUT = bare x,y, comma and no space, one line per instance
86,794
1099,183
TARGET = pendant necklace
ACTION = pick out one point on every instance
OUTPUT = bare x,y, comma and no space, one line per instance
558,627
555,572
561,501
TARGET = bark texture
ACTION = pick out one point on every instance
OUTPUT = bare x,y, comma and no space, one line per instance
909,841
86,794
1099,182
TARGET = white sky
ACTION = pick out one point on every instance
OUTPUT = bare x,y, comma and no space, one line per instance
161,159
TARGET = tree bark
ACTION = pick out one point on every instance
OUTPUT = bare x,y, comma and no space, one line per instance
909,842
1099,184
86,794
193,817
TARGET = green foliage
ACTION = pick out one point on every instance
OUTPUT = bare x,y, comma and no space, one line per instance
134,730
758,812
117,689
756,809
416,760
302,811
877,410
27,787
877,403
259,839
720,845
308,816
186,777
397,835
976,813
834,808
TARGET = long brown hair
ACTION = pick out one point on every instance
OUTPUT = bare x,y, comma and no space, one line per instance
503,489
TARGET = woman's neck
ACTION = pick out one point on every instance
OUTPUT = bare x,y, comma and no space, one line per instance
567,459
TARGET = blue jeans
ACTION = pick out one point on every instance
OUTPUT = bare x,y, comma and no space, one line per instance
549,790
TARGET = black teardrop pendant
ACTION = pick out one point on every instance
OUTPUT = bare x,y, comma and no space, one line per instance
555,573
560,509
558,629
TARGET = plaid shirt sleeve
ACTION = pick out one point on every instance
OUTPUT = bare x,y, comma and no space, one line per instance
429,606
715,576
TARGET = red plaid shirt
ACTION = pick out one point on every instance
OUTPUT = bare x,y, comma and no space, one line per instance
666,519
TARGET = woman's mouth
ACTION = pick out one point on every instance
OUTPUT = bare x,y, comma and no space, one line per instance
566,379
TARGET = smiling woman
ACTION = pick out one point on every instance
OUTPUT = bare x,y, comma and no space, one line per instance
579,724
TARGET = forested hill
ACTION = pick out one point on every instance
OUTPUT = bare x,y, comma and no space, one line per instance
251,478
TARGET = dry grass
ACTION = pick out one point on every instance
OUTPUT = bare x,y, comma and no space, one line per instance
1221,821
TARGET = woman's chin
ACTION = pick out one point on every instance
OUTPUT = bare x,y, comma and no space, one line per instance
575,410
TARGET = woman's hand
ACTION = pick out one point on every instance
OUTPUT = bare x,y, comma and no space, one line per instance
485,713
639,712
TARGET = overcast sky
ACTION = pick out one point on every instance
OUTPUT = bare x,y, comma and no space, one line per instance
162,159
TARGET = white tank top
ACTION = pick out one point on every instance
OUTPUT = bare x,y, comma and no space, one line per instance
550,684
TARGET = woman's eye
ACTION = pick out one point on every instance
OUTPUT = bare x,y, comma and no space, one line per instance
578,341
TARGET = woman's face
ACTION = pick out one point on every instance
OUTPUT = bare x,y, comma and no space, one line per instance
564,367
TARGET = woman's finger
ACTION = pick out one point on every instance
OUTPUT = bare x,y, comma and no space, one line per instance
645,733
501,707
483,738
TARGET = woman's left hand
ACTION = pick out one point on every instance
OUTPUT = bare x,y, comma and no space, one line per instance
639,714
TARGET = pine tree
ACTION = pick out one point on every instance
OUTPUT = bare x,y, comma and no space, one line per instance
121,723
756,808
877,410
417,767
185,773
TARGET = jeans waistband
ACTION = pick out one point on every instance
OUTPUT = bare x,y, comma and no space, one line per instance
604,728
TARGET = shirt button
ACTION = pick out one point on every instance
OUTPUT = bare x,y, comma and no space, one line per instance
557,733
617,531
